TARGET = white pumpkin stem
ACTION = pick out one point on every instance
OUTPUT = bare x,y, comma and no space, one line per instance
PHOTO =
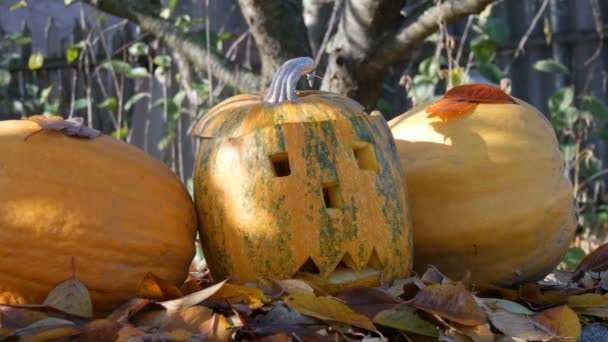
283,85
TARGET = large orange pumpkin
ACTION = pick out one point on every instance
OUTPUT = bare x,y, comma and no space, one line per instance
487,185
300,184
116,211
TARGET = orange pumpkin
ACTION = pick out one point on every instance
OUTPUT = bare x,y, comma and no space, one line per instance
487,186
300,184
118,212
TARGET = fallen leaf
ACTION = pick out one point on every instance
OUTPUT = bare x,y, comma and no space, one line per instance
405,319
193,298
17,316
46,330
433,276
191,285
368,300
479,333
462,99
563,321
530,293
507,305
199,319
71,296
295,285
491,290
280,337
99,330
127,332
450,301
596,261
518,326
238,294
590,304
406,288
282,315
153,287
73,126
328,309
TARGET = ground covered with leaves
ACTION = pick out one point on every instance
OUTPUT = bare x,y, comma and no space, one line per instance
429,307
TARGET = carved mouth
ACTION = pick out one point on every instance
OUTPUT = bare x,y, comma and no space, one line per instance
344,275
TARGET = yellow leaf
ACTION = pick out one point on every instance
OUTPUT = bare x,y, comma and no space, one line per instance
295,285
563,321
238,294
200,319
328,309
71,296
588,300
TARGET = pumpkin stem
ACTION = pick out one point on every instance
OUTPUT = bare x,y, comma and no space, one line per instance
283,85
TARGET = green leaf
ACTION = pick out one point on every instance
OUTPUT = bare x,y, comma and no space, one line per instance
5,78
573,257
18,5
491,72
561,100
123,133
548,65
497,30
71,54
36,61
596,107
568,151
109,104
429,67
119,67
138,72
162,60
32,89
46,92
134,99
564,119
139,49
81,103
483,49
406,320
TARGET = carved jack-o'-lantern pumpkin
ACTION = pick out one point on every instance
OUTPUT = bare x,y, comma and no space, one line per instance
300,185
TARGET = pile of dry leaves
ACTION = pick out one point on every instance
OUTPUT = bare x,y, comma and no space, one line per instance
429,307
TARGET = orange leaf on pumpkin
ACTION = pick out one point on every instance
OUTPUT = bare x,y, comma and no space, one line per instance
463,99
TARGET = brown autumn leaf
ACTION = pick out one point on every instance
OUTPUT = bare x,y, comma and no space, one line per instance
563,321
596,261
71,296
493,291
73,126
327,309
253,297
191,285
478,333
518,326
200,319
531,293
450,301
128,333
463,99
368,300
153,287
17,316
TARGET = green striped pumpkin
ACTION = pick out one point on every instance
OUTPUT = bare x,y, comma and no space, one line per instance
300,185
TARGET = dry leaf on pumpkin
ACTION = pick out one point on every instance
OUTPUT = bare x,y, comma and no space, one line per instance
596,261
327,309
450,301
73,126
405,319
463,99
71,296
153,287
368,300
563,321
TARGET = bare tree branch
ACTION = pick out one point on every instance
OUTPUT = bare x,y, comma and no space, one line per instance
144,14
374,55
279,31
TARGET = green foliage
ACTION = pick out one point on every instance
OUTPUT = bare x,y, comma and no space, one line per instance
573,257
